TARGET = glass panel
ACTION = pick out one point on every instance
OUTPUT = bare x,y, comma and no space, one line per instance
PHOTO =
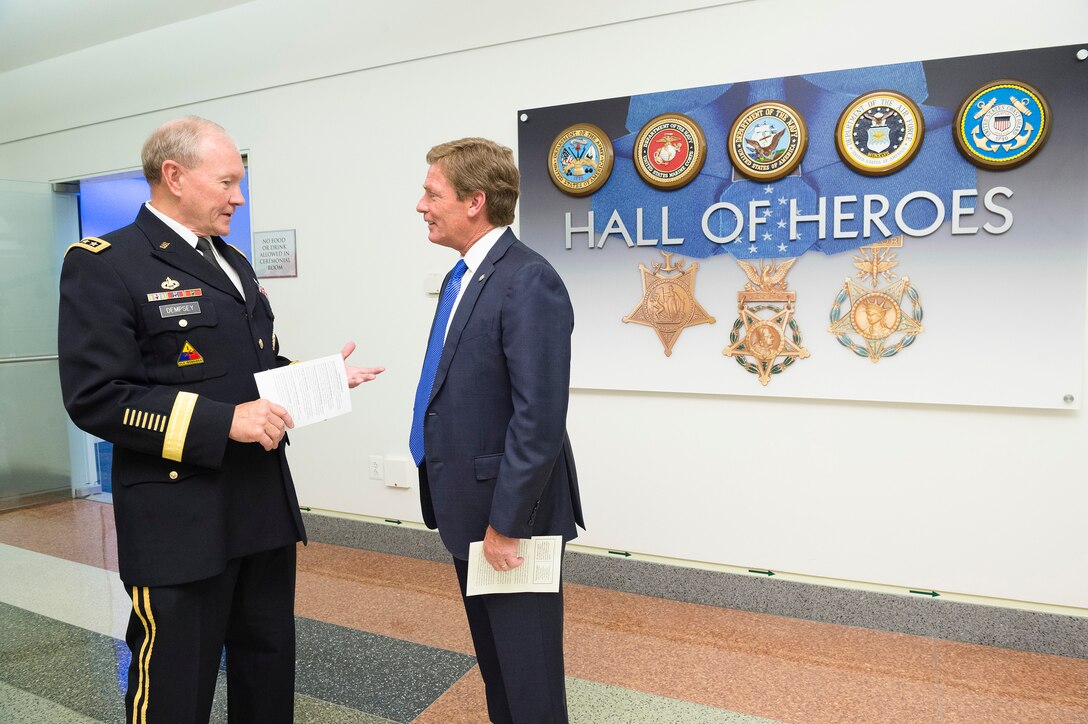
33,433
36,226
29,268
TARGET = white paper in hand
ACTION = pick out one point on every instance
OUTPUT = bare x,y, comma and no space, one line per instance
311,391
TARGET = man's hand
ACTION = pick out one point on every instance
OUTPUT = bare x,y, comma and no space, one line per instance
357,375
501,552
260,421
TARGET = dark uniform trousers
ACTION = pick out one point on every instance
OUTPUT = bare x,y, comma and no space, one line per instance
175,634
156,349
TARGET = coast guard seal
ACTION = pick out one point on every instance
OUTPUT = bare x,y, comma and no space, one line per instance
1002,124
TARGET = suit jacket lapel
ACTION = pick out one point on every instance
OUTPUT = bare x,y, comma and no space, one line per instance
175,251
468,303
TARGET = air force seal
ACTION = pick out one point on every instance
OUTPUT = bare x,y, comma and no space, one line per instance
580,160
1002,124
767,141
669,151
879,132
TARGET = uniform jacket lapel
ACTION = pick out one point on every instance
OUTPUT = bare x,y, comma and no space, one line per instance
175,251
468,302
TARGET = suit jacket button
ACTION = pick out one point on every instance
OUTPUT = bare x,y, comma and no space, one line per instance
173,474
183,322
260,343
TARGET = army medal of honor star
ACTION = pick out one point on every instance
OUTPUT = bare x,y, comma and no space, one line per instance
668,301
877,314
765,337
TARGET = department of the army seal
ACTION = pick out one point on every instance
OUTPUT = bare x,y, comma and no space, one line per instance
580,160
767,141
1002,124
669,151
879,132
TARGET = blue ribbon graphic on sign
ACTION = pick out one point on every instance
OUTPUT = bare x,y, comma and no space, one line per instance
752,219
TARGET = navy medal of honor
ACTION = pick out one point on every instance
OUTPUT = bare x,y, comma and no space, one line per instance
669,151
1002,124
580,160
877,315
765,314
668,301
767,141
879,132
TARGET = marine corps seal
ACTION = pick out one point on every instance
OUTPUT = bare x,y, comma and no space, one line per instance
879,132
580,160
877,315
765,331
767,141
668,301
1002,124
669,151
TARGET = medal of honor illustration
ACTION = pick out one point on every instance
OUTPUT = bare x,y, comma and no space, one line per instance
875,314
1002,124
879,132
668,301
767,141
580,160
669,151
766,339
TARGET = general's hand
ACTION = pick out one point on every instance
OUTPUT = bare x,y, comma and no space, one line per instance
501,552
357,375
260,421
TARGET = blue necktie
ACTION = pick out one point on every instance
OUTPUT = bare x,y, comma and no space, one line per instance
430,361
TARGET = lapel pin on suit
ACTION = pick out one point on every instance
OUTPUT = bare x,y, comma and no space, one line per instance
482,277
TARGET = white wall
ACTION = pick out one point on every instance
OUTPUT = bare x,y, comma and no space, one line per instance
982,501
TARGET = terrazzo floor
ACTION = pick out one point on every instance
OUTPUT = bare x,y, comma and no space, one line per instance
382,638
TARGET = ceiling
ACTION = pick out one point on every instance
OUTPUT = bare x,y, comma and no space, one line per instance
35,30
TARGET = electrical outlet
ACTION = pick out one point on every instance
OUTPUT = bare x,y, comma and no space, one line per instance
376,467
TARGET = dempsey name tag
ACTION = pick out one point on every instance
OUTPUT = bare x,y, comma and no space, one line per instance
179,310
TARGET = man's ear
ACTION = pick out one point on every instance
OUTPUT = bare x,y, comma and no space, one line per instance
171,176
477,204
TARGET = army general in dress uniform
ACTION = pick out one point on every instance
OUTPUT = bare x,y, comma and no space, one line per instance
162,326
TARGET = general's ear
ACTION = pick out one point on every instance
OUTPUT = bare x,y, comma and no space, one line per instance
171,176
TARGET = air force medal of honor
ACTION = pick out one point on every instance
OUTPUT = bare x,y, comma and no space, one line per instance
669,151
877,315
879,132
767,141
668,301
765,312
580,160
1002,124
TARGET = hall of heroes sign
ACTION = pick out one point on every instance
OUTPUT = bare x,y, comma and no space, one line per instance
848,180
274,254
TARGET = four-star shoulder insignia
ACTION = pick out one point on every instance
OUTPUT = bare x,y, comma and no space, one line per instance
91,243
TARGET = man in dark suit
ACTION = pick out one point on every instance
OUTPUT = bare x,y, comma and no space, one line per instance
162,325
489,430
